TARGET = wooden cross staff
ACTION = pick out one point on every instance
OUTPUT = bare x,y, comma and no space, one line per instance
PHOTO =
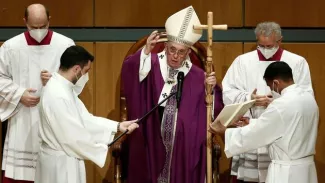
209,98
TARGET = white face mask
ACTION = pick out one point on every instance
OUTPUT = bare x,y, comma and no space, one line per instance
268,52
80,84
275,94
38,34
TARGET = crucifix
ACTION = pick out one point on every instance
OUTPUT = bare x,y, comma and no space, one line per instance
209,97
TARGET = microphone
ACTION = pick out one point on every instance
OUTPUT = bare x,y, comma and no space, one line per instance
180,78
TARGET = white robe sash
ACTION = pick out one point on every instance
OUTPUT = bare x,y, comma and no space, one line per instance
282,170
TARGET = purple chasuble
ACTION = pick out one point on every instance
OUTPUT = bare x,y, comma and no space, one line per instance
170,149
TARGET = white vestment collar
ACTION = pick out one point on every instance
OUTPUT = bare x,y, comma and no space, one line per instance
164,68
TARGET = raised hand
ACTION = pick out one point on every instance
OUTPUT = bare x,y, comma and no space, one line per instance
151,42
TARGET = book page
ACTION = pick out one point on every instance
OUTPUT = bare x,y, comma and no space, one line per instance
233,112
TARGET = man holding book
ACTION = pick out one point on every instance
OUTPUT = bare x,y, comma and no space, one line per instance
288,127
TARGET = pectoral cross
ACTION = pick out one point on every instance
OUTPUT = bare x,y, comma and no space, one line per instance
209,97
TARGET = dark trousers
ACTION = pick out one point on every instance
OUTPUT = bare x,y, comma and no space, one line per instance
3,133
3,138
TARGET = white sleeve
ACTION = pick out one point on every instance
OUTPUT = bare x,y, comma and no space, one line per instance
233,84
10,92
99,127
302,77
74,138
269,125
145,65
71,43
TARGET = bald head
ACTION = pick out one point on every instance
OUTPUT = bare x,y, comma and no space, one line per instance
36,16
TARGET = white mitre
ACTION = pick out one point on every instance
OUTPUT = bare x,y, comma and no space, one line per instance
179,27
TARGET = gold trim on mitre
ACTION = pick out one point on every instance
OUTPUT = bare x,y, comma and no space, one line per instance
179,40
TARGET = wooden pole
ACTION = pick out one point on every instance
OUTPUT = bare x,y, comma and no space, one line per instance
209,97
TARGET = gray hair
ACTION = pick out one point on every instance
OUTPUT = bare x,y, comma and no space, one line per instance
267,29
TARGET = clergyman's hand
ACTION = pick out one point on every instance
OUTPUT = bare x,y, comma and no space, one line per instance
45,76
28,100
217,128
128,125
261,100
242,122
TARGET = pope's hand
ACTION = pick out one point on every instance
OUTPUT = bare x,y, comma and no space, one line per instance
45,76
128,125
151,42
211,79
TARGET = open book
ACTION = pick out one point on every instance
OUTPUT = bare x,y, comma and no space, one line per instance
233,112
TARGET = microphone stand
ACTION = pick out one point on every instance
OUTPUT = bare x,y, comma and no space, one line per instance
172,94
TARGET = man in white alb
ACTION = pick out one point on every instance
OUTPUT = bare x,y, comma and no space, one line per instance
24,60
69,133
